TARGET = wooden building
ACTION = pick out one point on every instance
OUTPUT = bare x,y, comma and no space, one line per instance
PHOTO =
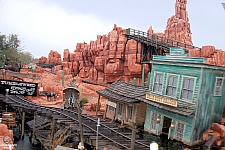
122,103
185,96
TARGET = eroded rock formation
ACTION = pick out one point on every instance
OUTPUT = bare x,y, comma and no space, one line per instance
111,57
178,26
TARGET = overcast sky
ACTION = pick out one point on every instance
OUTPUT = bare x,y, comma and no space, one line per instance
45,25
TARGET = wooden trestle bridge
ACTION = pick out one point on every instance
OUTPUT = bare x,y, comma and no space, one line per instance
155,45
52,126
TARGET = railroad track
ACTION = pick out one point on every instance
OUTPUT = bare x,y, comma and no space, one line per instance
107,132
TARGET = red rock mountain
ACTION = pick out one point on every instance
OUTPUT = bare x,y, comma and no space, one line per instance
112,57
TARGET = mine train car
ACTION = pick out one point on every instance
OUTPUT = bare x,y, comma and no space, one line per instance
71,96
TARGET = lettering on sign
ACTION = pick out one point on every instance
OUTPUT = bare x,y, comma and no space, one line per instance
162,100
18,87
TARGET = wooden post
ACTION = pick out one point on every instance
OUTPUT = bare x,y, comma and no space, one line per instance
97,107
23,119
126,117
53,132
34,126
133,138
80,124
105,112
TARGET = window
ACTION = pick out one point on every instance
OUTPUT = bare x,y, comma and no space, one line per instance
111,108
218,86
120,109
153,121
158,82
180,131
130,111
172,86
187,89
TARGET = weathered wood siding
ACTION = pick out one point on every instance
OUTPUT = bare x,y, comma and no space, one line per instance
175,117
147,119
181,71
140,115
210,107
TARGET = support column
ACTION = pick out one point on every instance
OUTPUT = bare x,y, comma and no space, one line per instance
133,139
23,120
97,107
53,123
126,117
34,126
81,147
105,112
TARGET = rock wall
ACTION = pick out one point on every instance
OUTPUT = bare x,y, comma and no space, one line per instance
111,57
53,57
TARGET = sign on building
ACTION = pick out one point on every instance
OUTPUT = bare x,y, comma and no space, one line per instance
18,87
162,100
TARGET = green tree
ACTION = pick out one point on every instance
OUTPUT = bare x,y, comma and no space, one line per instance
11,49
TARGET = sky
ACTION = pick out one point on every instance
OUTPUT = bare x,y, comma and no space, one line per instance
45,25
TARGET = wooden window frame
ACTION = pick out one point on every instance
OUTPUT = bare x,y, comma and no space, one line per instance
110,108
180,133
153,121
130,114
176,76
154,83
120,113
182,88
221,86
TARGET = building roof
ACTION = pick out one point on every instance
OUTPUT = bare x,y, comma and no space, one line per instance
124,92
120,91
183,108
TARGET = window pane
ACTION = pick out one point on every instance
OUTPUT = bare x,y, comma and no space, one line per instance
175,81
156,87
174,91
217,89
219,82
190,93
184,94
161,79
170,81
157,78
169,91
191,84
160,88
186,82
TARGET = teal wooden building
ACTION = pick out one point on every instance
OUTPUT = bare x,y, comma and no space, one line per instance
185,96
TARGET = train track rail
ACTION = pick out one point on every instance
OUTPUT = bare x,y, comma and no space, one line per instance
107,132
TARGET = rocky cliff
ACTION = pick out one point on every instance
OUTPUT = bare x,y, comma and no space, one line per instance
113,57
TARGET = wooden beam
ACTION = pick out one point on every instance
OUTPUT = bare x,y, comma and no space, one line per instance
23,119
97,107
34,125
53,124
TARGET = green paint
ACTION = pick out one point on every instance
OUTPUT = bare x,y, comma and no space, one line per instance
135,81
143,76
149,75
62,76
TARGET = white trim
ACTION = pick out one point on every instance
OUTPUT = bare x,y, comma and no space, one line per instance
153,82
181,88
214,92
178,79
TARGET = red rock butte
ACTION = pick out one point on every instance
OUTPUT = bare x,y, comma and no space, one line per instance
113,57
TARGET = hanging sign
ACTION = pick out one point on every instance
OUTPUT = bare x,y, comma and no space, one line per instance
162,100
18,87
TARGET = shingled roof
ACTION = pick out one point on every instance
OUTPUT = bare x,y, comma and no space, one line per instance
120,91
183,108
